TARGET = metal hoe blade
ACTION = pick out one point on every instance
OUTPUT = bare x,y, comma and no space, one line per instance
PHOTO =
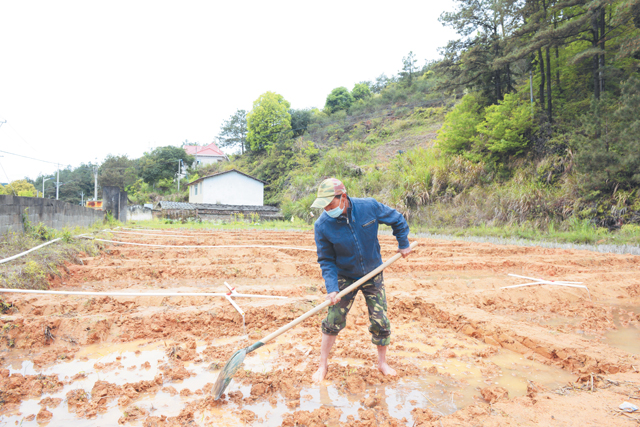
226,374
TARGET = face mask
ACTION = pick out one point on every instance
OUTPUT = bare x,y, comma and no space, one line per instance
335,212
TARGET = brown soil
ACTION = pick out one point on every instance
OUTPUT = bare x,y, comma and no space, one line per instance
445,306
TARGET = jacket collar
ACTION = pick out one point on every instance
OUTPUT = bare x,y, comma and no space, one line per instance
348,216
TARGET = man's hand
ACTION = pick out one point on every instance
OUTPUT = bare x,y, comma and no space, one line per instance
405,252
333,297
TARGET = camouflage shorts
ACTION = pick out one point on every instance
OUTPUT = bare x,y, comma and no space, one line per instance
376,299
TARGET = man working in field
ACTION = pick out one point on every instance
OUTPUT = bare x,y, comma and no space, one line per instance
346,237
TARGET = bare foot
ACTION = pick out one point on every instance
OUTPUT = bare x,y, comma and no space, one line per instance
320,374
387,370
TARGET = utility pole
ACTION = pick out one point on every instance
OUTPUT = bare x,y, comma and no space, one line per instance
531,89
82,195
95,175
43,181
179,173
58,182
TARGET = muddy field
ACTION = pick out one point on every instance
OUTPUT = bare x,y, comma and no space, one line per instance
467,352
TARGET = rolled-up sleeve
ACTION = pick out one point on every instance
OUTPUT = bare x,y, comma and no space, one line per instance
327,261
393,218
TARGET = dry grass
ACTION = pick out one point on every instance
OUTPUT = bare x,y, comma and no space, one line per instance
33,270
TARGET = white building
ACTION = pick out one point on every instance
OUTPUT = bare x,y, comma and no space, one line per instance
227,188
206,154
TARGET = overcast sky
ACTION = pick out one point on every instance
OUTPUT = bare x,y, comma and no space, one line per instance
82,79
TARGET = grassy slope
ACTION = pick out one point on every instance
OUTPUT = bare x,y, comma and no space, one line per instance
394,158
33,270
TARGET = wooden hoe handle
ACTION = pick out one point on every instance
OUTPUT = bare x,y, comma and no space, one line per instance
342,293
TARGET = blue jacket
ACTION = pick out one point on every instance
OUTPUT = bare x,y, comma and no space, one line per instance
348,245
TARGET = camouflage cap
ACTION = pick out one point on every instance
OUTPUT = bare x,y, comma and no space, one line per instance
328,189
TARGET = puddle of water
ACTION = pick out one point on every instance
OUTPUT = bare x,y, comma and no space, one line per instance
263,359
625,338
511,371
456,388
61,416
442,394
152,353
227,340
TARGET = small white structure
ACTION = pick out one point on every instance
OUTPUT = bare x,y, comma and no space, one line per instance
139,213
227,188
205,155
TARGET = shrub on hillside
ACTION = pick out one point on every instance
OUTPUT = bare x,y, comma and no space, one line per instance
506,127
339,99
459,130
361,91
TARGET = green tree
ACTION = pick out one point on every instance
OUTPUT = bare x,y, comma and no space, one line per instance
162,163
300,121
339,99
608,146
74,182
268,121
409,68
117,171
506,127
381,82
20,187
361,91
469,61
458,132
138,192
233,132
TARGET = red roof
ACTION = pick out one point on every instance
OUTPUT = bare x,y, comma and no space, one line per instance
208,150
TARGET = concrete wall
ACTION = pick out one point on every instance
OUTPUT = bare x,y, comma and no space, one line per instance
230,188
115,201
207,160
53,213
139,213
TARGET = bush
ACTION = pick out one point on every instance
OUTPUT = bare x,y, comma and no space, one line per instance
459,130
506,127
361,91
339,99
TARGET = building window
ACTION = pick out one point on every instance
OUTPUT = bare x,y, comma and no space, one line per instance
195,187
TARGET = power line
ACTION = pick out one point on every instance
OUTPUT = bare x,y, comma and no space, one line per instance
18,133
368,116
8,180
31,158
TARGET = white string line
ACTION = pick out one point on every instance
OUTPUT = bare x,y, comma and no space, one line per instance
38,247
170,231
141,294
161,235
30,250
201,246
547,282
216,233
542,280
479,291
172,235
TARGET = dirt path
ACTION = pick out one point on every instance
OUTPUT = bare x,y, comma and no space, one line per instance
467,353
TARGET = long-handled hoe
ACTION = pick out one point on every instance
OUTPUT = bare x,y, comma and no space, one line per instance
226,375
